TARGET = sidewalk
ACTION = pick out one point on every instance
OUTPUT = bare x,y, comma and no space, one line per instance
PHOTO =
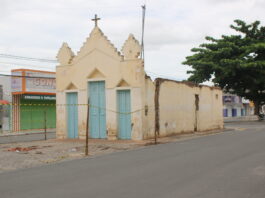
241,119
26,136
11,133
29,154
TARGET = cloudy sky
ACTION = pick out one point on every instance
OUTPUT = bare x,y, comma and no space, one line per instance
37,28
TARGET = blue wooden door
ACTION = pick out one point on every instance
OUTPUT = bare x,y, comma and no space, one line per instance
72,115
225,112
97,111
124,109
234,112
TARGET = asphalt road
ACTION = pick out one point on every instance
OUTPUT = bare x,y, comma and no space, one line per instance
227,165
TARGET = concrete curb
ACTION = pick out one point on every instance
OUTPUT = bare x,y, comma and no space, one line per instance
24,133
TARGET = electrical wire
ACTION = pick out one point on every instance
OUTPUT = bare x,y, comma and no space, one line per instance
21,64
27,58
149,72
18,76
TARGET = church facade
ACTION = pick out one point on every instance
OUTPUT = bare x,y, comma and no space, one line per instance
124,103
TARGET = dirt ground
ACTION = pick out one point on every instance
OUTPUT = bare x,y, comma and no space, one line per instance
29,154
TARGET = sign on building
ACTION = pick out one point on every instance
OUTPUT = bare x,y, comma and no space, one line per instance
16,81
39,97
33,81
46,84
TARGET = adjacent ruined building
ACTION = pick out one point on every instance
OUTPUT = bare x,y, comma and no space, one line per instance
124,103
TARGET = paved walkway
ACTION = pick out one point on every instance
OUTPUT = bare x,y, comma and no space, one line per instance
26,136
26,154
29,154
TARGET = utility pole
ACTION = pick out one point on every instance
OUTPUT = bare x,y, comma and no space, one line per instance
87,128
143,23
45,123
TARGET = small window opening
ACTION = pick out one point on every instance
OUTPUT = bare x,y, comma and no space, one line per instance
216,96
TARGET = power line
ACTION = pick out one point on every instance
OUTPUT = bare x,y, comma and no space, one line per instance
27,58
21,64
7,71
152,73
18,76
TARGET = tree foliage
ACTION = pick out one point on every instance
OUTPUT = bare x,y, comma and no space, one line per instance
236,63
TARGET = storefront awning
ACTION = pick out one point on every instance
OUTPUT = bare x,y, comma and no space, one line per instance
4,102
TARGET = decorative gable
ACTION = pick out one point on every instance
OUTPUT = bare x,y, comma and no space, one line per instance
98,41
123,83
131,48
65,55
96,74
71,86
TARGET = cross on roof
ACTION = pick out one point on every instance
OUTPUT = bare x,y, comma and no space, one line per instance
96,20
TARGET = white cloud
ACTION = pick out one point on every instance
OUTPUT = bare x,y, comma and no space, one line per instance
37,28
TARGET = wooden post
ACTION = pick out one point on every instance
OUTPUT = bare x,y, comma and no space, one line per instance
155,136
87,128
158,82
45,127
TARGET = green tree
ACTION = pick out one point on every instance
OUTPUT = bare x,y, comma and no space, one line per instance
236,63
